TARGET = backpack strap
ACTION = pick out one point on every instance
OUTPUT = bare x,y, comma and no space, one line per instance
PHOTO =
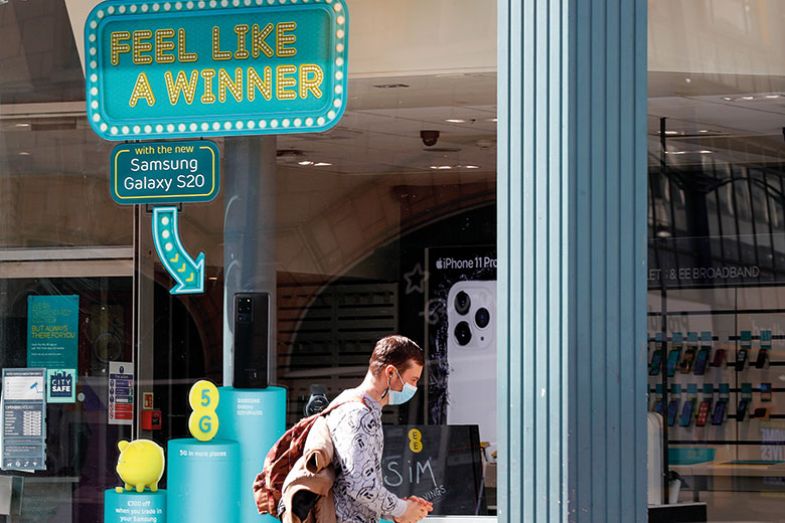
333,406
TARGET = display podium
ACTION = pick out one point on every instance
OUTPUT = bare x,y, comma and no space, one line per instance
203,484
121,507
255,419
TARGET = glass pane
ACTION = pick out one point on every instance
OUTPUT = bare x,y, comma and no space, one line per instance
716,273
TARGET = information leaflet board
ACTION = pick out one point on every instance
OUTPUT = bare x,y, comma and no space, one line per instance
440,463
121,393
52,332
24,420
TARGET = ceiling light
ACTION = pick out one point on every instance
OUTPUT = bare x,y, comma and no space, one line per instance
441,167
472,166
494,120
455,120
305,162
23,125
705,152
671,133
24,153
747,98
703,131
322,164
772,96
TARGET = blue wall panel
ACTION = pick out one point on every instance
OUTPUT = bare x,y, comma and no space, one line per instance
572,252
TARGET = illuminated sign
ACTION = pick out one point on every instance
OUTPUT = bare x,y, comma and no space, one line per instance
165,69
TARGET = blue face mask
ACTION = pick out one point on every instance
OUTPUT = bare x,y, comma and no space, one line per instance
402,396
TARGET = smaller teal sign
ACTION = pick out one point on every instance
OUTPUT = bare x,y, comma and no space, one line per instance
165,172
52,331
187,272
60,385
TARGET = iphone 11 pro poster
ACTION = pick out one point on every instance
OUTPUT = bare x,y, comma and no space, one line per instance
461,337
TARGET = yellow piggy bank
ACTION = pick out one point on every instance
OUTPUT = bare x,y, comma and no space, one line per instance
140,465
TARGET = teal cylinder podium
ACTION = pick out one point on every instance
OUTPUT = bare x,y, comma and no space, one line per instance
255,418
202,481
120,507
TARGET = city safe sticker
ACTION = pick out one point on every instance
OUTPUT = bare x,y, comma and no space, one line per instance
160,69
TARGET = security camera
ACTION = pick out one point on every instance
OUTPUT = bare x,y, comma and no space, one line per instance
429,138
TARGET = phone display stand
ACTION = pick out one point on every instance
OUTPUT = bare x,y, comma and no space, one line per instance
203,485
254,418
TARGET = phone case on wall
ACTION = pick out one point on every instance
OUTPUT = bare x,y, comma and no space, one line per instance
701,361
471,356
687,359
718,415
703,413
655,365
673,360
685,420
673,411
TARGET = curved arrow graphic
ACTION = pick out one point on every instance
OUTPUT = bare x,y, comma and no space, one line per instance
188,274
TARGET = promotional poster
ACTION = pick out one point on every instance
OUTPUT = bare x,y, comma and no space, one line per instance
461,337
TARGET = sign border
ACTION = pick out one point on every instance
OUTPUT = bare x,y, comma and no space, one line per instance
210,126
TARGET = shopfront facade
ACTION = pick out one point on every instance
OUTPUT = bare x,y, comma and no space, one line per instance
574,207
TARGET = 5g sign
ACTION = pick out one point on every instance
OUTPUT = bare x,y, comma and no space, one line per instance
203,399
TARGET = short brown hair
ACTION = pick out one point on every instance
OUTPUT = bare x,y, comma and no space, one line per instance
398,351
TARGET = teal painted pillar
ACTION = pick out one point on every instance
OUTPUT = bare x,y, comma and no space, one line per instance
572,253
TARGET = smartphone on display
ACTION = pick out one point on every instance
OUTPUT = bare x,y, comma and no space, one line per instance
701,361
719,358
673,411
741,411
765,392
685,420
687,359
762,361
703,413
655,365
741,358
673,359
471,356
718,415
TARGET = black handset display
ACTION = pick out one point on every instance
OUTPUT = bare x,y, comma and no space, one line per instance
718,415
685,365
765,391
741,411
673,359
656,363
762,360
741,358
673,411
686,413
701,360
703,413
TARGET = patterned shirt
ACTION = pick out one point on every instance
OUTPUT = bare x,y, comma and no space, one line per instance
356,431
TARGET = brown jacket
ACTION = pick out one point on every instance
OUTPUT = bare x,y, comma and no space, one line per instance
312,473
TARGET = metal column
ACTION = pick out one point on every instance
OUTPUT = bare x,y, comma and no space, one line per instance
572,254
249,233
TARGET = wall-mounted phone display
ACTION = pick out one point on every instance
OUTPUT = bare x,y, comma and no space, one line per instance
765,392
674,355
742,354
